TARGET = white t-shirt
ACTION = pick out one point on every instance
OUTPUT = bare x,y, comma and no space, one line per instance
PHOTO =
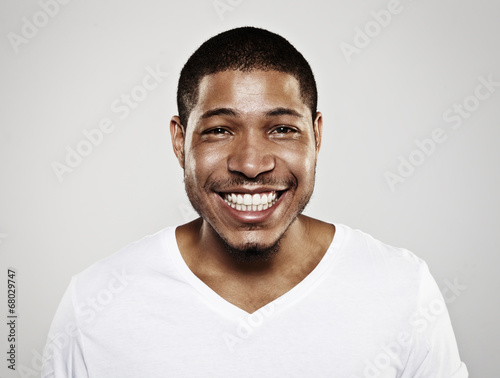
366,310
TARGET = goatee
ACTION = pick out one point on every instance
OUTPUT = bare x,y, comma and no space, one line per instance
252,252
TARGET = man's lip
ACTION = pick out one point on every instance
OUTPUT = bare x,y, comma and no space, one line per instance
252,216
251,190
243,193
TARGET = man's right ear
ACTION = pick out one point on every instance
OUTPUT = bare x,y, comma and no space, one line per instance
177,133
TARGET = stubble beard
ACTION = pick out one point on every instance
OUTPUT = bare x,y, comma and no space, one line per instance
250,251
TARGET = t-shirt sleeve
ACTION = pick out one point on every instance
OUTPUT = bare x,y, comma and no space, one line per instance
64,351
434,351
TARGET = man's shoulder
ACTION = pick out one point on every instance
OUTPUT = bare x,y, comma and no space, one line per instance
134,259
365,250
381,270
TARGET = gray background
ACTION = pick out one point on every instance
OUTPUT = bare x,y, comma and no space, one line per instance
65,77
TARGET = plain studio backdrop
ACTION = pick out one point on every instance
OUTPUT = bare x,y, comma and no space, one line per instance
409,90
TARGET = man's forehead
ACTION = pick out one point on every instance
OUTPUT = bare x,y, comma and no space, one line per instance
267,75
250,91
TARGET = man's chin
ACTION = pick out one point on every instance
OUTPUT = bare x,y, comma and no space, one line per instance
252,252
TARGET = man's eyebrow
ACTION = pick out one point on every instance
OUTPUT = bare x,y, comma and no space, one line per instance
234,113
283,111
220,112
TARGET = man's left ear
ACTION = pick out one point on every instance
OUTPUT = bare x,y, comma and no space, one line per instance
318,130
177,134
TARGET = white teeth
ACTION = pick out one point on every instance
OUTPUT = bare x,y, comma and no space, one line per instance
247,199
255,199
250,202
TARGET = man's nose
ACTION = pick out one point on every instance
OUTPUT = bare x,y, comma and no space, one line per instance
251,156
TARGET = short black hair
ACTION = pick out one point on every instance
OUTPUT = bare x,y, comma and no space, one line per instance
244,49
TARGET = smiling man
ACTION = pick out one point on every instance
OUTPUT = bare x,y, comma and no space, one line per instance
249,153
252,288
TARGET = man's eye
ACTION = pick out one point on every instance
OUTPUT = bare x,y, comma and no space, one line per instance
283,130
217,131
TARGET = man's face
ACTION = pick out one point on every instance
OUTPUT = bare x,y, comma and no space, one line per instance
249,154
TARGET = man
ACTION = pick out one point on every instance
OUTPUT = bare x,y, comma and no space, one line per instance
252,288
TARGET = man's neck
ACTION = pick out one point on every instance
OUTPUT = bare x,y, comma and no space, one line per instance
251,285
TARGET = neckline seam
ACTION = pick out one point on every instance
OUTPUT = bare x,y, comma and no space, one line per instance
283,302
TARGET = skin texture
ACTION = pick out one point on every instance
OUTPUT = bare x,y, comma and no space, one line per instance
250,133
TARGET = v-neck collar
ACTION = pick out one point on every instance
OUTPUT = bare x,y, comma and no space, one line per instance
285,301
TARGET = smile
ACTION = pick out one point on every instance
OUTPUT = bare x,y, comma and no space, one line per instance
251,202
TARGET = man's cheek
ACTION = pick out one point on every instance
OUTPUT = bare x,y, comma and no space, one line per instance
208,157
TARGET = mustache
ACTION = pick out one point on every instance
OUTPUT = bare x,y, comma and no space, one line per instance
220,185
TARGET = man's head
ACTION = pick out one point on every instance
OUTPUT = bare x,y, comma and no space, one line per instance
250,143
243,49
